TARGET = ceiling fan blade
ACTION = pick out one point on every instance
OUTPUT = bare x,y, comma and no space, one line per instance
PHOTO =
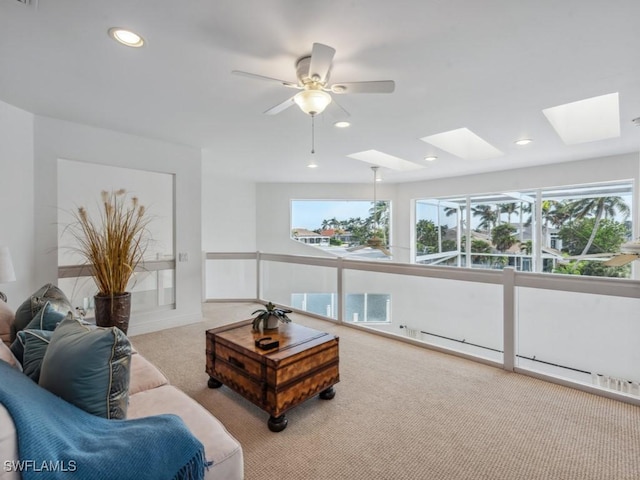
620,260
379,86
280,107
268,79
320,64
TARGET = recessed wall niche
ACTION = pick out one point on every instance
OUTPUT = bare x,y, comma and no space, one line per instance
80,184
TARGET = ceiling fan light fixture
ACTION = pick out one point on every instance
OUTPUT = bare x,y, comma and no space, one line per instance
126,37
312,102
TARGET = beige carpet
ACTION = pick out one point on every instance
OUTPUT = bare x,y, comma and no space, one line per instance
404,412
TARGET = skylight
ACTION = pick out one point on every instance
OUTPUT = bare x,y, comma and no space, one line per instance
385,160
587,120
463,143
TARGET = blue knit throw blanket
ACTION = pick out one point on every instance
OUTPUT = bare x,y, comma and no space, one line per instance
58,440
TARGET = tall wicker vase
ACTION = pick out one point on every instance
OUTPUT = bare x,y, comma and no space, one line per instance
113,310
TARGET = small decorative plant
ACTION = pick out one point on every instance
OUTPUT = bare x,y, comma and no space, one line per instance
114,243
270,315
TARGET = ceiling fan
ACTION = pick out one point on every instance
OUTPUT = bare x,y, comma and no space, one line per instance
373,242
312,73
629,252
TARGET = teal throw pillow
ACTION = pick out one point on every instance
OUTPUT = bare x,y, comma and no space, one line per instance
46,319
32,305
19,344
89,367
35,346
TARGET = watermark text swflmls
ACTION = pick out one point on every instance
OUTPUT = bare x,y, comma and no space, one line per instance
40,466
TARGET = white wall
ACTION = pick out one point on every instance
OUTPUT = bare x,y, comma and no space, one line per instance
16,193
56,139
228,225
228,209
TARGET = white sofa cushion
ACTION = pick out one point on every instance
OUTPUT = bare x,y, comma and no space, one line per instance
219,446
144,375
6,320
7,355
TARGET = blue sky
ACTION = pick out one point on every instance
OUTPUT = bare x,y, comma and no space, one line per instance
310,213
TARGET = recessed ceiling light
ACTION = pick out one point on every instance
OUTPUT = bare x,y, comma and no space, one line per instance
430,158
523,141
341,124
312,164
126,37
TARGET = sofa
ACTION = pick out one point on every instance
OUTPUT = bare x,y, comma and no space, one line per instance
149,394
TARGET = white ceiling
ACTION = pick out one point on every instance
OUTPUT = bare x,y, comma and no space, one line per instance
490,66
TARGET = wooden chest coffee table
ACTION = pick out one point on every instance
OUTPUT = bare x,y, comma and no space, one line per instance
303,365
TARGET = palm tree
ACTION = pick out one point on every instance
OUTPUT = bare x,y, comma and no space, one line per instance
379,218
526,247
525,207
380,213
502,237
509,209
561,212
599,207
488,216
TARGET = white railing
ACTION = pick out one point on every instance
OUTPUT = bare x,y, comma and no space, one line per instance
566,329
152,286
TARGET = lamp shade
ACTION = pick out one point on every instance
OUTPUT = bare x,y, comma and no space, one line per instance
7,274
312,102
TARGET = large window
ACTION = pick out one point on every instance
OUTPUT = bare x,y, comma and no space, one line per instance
347,228
570,230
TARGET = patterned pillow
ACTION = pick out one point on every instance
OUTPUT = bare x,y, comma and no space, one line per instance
35,346
48,293
89,367
46,319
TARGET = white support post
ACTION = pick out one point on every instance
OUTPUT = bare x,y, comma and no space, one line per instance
340,292
467,232
509,318
538,239
258,280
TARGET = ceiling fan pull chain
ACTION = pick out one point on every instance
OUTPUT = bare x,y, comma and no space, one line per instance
313,139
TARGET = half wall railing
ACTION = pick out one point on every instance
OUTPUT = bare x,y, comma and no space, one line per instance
582,332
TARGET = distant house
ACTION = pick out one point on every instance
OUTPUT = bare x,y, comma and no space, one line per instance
344,237
312,238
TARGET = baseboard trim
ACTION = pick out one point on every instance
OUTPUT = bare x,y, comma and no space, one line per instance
149,326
